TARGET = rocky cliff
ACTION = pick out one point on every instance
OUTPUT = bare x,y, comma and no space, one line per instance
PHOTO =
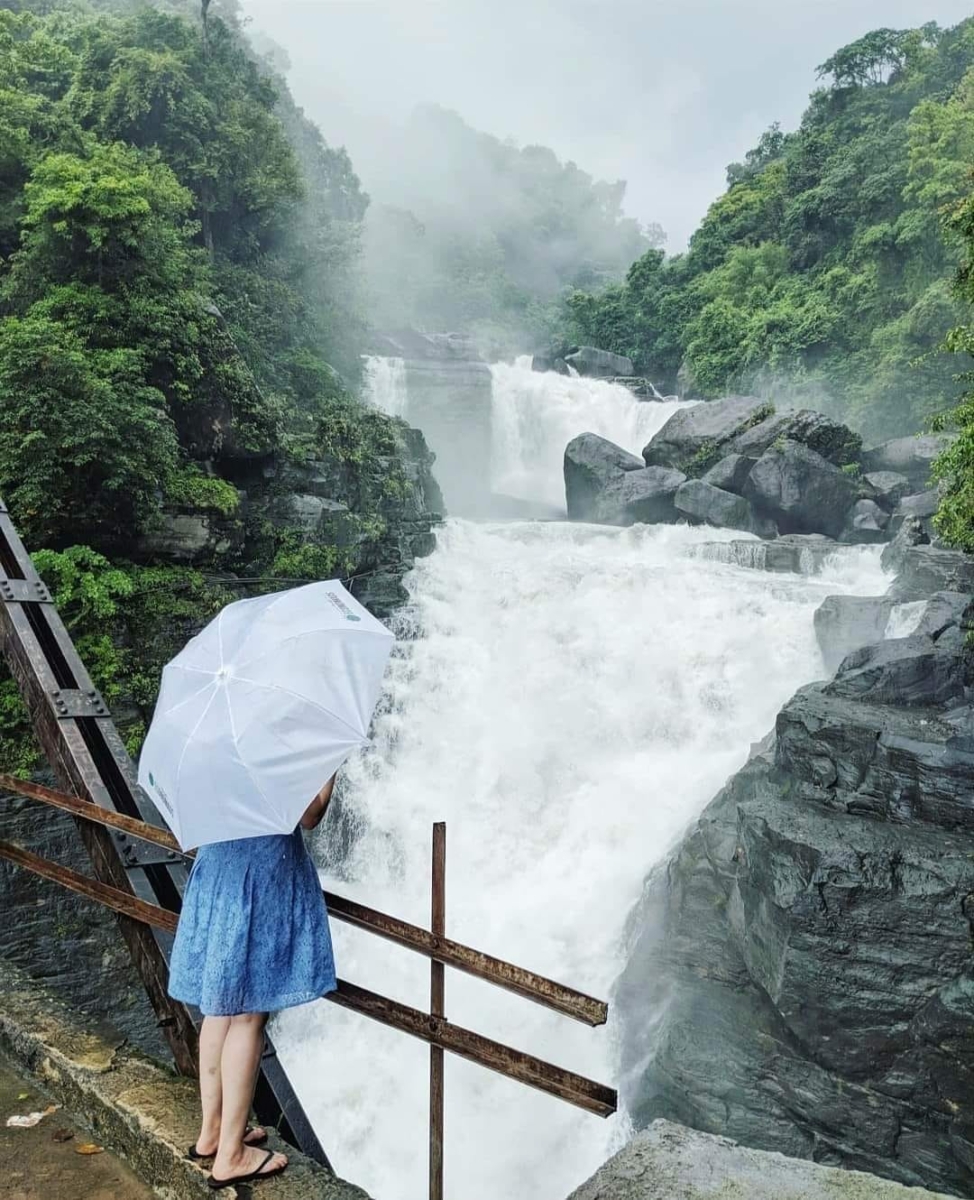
801,975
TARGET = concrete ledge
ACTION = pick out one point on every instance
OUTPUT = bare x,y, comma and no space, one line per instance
669,1162
143,1112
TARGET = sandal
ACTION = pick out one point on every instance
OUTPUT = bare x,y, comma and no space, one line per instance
260,1173
248,1139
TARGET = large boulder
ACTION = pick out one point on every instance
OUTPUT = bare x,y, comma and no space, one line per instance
924,570
800,977
910,533
847,623
731,473
865,524
704,504
599,364
694,439
923,506
888,487
800,490
834,441
591,464
670,1162
640,497
909,456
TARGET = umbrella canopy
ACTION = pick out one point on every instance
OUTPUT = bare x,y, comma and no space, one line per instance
259,711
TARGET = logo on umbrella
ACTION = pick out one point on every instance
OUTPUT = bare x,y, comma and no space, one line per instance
342,607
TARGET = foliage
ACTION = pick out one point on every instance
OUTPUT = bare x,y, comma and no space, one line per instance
822,271
954,469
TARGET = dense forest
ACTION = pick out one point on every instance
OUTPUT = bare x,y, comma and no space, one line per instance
178,331
824,273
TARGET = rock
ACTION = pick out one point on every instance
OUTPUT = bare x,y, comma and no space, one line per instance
800,975
599,364
889,487
696,438
640,497
796,554
835,442
800,490
923,506
924,570
182,538
910,533
591,464
707,505
910,456
847,623
909,672
943,610
865,524
545,362
730,473
641,387
671,1162
434,347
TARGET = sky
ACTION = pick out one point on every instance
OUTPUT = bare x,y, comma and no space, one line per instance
661,93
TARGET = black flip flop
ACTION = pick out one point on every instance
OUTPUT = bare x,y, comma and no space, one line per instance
194,1154
260,1173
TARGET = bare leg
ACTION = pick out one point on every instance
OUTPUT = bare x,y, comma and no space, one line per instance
213,1034
242,1048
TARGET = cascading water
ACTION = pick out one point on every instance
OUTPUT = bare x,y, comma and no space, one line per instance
568,699
385,384
536,415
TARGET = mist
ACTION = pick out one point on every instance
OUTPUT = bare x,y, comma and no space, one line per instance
660,94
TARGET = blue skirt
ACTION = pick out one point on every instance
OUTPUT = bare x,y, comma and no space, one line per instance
253,933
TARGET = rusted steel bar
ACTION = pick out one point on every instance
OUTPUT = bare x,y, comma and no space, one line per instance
453,954
102,893
437,1009
566,1085
503,974
89,812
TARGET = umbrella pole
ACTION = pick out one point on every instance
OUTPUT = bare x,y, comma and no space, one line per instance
437,989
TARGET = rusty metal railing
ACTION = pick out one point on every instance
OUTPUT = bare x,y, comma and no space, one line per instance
432,1027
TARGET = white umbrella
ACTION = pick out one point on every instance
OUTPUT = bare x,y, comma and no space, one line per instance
259,711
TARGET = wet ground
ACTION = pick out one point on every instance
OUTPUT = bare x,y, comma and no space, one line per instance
44,1162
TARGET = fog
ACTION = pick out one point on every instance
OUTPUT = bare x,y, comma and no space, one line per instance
660,93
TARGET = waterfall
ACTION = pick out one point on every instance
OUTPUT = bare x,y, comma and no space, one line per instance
568,698
385,384
536,415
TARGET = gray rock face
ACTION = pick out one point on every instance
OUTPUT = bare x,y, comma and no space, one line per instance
801,976
911,456
865,524
847,623
923,506
800,490
835,442
731,473
889,487
699,437
794,554
185,537
928,569
705,504
640,497
599,364
591,464
670,1162
910,533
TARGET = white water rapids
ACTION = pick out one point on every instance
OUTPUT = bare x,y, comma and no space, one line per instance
571,698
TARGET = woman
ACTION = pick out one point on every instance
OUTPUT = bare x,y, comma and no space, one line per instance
252,938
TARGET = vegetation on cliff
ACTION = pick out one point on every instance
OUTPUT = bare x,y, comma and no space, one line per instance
178,333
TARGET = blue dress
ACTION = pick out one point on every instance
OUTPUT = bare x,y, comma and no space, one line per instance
253,933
